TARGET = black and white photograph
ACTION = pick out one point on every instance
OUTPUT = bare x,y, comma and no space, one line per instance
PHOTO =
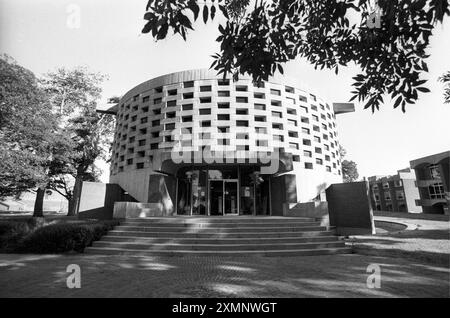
224,156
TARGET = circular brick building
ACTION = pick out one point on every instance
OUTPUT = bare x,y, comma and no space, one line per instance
199,144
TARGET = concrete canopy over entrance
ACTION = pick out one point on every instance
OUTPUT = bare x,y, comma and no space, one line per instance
217,186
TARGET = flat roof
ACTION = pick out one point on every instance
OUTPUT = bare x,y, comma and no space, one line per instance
107,108
341,108
431,159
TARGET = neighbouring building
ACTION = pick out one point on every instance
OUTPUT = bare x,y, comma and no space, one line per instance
202,145
432,174
397,193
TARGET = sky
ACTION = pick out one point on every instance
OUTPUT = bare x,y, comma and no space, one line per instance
104,35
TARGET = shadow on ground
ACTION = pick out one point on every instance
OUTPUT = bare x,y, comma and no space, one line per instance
426,245
312,276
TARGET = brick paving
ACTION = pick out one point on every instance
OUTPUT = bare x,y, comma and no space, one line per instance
311,276
413,264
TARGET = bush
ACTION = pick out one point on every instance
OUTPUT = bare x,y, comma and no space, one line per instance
64,237
57,238
8,227
13,231
20,225
32,235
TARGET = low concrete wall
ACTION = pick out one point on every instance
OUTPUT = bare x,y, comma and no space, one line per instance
125,210
417,216
162,190
349,208
136,182
283,192
315,209
97,199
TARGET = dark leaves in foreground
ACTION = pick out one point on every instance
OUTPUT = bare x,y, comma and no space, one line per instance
446,80
388,42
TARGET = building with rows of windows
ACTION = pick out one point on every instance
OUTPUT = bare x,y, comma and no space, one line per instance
199,144
397,193
433,182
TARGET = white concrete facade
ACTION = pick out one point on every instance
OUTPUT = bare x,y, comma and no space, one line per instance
289,117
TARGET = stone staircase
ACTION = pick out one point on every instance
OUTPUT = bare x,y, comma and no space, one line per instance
219,236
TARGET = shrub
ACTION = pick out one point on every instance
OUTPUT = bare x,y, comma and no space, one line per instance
65,237
100,229
10,234
20,225
57,238
7,227
13,231
29,236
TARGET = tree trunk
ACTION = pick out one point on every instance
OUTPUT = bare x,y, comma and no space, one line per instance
39,202
71,207
73,203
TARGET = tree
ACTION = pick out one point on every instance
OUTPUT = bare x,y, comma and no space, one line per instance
50,133
387,41
342,152
349,171
60,154
349,167
446,80
73,95
29,133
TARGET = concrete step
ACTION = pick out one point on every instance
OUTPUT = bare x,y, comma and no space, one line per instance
215,225
182,229
220,235
217,247
235,253
217,241
219,220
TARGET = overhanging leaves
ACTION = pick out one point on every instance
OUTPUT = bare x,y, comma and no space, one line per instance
388,43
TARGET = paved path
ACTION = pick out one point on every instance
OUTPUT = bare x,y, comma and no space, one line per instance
428,241
312,276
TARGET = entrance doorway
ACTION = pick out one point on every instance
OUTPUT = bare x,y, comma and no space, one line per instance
223,197
222,190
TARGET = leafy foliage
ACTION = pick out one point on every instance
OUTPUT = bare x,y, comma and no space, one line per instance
29,135
50,132
74,94
446,80
72,91
259,40
349,167
349,171
57,238
64,237
13,231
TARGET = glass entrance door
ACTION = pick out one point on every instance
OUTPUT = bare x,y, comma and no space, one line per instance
216,197
231,197
223,196
216,191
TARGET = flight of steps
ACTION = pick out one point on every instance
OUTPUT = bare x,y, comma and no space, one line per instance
219,236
